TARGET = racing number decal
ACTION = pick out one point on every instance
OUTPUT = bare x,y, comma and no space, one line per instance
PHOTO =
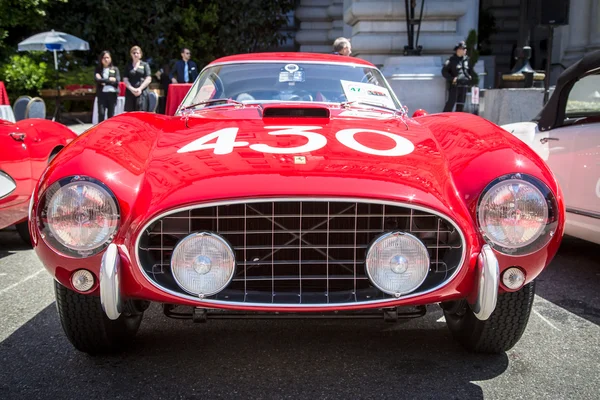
403,146
315,141
224,144
225,141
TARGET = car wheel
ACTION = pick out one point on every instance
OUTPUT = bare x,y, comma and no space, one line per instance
501,331
88,328
23,230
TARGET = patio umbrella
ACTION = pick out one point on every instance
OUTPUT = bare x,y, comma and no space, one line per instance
53,41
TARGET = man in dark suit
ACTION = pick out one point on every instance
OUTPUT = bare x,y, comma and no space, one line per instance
185,69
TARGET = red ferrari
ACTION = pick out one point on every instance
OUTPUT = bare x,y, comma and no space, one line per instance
294,185
26,148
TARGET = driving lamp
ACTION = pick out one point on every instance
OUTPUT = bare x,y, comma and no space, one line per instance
7,184
397,263
78,216
203,264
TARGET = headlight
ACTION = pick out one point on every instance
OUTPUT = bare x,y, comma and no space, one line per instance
7,184
203,264
517,214
78,216
397,263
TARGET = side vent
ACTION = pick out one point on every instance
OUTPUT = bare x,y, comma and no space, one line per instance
295,112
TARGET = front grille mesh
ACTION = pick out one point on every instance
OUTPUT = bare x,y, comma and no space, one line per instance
300,252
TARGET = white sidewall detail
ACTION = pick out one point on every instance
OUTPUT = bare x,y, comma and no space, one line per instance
403,146
598,188
316,141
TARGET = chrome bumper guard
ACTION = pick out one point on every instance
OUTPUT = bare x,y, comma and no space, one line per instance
110,282
488,274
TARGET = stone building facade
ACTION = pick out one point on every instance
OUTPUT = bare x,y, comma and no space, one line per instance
582,35
377,29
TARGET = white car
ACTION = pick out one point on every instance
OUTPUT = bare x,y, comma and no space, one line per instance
566,134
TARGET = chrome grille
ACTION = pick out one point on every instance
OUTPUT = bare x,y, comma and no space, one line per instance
300,251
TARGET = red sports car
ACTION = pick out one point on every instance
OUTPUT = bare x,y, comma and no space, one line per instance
295,185
26,148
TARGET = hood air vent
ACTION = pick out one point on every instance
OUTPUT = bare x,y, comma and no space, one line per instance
295,112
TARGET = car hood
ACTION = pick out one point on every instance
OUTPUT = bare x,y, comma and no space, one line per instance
176,175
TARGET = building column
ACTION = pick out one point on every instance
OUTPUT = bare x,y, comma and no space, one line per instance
594,28
336,13
379,26
579,29
315,25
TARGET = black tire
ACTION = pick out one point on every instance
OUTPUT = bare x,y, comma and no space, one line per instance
23,230
88,328
501,331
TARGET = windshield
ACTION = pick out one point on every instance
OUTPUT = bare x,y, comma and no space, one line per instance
264,82
584,97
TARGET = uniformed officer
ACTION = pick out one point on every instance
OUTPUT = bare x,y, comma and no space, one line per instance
457,73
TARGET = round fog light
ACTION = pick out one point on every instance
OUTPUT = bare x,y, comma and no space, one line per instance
203,264
397,263
82,280
513,278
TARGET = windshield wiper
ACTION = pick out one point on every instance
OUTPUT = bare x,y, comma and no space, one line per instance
347,104
211,102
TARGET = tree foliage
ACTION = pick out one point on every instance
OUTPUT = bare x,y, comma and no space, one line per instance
209,28
247,26
19,17
24,75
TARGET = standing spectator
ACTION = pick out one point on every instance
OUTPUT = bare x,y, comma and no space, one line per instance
107,79
185,69
342,46
457,73
137,77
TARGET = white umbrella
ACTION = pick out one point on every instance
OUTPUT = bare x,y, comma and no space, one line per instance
53,41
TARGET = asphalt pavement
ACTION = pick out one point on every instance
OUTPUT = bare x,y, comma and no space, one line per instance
557,358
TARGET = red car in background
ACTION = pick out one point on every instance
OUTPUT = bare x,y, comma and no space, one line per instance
26,148
296,185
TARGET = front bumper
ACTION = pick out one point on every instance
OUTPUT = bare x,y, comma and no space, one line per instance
488,278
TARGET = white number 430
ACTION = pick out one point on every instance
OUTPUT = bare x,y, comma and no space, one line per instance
224,141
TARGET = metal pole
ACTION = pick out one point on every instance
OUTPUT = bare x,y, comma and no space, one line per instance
410,43
56,99
420,22
548,63
412,24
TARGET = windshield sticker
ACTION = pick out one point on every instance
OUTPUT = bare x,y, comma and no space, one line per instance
367,93
291,73
371,113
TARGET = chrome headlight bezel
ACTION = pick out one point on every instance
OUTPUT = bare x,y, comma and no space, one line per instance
48,234
545,233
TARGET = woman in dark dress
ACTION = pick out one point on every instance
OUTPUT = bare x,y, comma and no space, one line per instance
107,79
137,77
